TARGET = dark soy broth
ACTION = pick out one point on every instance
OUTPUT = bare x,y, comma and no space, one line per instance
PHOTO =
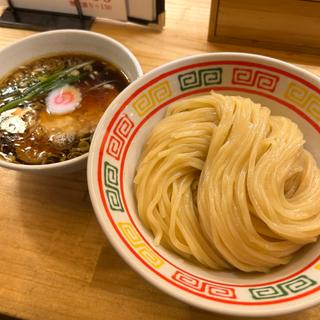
50,107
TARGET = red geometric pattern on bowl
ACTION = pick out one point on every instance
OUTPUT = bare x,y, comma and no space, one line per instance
203,286
255,78
119,135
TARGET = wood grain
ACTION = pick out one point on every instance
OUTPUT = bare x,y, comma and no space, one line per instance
55,263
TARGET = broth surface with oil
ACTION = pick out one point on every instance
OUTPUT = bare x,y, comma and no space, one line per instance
50,108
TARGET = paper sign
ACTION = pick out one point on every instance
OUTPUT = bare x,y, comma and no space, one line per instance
112,9
139,11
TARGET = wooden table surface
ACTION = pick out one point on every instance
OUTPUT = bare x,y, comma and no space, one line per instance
55,262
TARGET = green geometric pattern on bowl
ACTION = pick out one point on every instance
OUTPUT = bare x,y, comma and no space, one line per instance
199,78
111,183
295,285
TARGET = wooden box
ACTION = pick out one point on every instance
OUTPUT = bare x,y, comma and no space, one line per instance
279,24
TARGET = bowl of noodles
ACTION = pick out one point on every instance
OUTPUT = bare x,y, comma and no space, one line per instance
54,87
204,176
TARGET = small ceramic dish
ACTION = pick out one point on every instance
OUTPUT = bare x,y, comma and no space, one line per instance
56,43
117,145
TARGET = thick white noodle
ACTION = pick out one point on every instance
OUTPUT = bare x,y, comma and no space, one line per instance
223,182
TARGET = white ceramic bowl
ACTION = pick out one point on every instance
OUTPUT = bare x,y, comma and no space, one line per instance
65,41
117,144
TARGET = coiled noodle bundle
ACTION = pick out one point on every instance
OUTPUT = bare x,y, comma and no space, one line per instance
223,182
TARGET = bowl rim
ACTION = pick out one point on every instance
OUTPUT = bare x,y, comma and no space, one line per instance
71,162
121,249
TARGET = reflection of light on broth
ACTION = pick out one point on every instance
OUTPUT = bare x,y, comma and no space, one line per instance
59,125
11,121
